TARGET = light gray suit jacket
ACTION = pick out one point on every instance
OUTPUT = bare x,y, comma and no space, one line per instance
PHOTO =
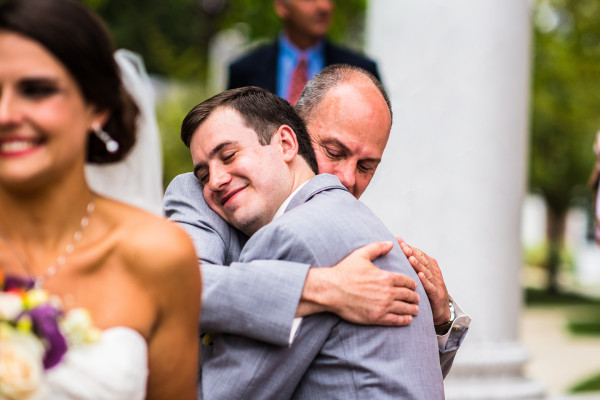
233,296
330,358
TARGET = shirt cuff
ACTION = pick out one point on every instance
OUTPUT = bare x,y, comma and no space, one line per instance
295,326
461,323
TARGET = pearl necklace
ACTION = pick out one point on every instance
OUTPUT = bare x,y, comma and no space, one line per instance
62,258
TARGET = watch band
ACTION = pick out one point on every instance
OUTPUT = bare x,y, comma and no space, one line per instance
442,329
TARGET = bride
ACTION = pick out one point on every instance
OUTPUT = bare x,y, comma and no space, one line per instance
134,274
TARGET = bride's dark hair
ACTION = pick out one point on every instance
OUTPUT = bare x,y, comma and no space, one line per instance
81,42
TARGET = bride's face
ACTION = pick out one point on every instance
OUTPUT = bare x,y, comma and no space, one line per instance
44,118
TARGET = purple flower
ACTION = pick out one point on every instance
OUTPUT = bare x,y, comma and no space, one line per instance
45,325
13,282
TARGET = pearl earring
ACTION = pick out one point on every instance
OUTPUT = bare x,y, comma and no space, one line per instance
111,144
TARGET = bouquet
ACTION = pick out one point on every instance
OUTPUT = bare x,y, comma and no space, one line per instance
35,335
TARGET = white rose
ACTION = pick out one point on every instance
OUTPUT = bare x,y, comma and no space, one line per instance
78,327
11,305
21,368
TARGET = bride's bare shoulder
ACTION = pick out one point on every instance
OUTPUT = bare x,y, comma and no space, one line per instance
149,243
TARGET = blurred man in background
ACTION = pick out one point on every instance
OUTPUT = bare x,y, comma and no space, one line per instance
300,52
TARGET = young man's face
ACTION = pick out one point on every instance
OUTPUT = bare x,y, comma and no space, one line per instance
349,131
244,181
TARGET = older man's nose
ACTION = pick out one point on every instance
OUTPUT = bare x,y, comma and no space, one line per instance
346,175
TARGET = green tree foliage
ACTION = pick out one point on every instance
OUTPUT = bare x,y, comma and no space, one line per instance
565,112
170,35
173,36
173,107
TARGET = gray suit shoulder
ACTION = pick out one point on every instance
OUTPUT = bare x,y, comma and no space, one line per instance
215,241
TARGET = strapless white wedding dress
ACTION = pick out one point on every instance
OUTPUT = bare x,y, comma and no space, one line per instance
113,368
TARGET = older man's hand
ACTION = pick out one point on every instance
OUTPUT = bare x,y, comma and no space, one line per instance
431,277
359,292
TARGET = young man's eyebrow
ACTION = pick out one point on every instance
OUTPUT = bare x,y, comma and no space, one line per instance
212,154
218,148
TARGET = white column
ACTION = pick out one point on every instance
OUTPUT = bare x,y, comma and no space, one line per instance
453,175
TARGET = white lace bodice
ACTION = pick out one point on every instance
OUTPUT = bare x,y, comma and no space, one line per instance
114,368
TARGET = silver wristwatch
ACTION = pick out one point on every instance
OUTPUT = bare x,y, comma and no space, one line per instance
442,329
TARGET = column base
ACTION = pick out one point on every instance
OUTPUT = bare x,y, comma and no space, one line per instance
491,371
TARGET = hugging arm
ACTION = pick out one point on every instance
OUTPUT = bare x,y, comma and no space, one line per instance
359,292
260,299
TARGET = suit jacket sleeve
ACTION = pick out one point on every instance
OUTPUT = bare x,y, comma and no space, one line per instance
447,355
233,297
455,336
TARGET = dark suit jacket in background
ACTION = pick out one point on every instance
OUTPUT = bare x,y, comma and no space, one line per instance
259,67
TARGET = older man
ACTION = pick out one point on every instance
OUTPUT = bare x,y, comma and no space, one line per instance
349,119
253,155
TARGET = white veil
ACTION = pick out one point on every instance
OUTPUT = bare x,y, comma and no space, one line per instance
136,180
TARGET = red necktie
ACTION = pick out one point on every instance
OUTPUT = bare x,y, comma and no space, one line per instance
299,79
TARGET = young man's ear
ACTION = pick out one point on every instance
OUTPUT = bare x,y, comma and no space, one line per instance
288,142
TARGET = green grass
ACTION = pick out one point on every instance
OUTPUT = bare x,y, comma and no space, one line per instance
591,384
584,327
583,316
537,297
584,320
